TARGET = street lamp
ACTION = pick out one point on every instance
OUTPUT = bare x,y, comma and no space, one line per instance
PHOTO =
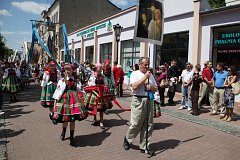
117,29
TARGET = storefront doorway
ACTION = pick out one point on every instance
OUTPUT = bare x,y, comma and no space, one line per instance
226,45
130,54
175,46
89,54
105,52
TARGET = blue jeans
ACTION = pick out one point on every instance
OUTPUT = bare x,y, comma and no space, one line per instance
185,92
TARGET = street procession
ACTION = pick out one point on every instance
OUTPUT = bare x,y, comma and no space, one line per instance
107,79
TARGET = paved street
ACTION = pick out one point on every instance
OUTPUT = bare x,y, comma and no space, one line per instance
176,136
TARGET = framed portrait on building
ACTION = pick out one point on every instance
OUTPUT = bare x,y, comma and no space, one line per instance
149,22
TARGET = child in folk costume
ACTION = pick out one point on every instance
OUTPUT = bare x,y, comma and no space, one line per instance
98,95
25,73
49,85
69,105
109,75
10,83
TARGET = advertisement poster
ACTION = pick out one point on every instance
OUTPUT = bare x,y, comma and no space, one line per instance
149,22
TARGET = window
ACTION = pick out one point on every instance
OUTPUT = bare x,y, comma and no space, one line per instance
175,46
89,54
130,54
105,52
226,45
56,17
77,54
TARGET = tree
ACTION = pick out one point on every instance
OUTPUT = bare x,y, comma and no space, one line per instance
4,50
216,3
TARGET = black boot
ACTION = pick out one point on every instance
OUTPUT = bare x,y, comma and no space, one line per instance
72,143
62,136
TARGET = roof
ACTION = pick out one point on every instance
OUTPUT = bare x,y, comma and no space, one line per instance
105,19
221,9
57,0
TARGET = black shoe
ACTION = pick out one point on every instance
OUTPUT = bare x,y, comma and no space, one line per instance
62,136
50,115
72,143
149,152
163,105
126,144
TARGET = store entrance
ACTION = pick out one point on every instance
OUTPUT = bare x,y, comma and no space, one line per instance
226,45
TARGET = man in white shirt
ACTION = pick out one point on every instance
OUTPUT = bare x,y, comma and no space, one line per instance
186,85
140,106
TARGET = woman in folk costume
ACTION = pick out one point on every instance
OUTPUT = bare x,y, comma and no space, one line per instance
25,73
10,82
69,105
110,77
49,85
98,97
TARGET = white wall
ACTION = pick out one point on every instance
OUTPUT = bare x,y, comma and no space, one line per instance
177,7
213,20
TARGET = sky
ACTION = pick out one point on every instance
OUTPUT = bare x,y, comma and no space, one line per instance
15,16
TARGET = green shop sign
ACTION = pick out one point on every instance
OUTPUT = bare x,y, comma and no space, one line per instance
90,32
228,38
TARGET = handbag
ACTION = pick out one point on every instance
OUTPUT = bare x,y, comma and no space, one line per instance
164,83
236,88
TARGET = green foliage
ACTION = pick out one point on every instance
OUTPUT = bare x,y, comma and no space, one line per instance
5,52
216,3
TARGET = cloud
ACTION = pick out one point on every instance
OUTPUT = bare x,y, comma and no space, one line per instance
1,23
5,12
31,7
120,2
15,33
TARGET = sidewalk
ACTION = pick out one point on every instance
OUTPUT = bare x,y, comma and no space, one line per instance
205,113
32,136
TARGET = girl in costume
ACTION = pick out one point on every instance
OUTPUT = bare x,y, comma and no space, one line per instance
49,84
98,97
69,105
109,76
10,82
25,72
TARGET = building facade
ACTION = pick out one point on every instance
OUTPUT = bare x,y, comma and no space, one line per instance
74,14
193,32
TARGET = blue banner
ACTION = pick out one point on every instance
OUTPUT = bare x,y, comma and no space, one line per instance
35,34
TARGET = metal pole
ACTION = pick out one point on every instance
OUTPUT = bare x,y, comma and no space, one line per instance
148,101
117,51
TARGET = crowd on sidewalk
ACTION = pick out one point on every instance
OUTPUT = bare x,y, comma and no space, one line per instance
219,87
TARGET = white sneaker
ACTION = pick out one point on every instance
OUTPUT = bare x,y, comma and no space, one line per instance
189,109
181,108
2,113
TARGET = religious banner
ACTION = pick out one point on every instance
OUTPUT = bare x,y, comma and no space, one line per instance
149,22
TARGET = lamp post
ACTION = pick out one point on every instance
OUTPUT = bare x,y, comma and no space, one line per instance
117,29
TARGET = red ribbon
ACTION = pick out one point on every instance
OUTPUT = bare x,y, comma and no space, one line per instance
116,102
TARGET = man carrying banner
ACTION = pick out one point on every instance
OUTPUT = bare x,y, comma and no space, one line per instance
140,106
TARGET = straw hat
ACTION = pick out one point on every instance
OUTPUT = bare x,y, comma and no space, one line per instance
162,67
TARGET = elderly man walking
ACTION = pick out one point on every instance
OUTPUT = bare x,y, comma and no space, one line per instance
140,106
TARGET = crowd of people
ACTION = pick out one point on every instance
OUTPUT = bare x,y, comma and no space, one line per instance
215,86
76,92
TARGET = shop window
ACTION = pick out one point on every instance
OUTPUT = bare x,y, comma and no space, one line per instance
130,54
89,54
175,46
105,52
77,54
226,45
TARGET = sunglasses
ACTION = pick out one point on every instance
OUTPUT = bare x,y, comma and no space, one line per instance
145,65
229,70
